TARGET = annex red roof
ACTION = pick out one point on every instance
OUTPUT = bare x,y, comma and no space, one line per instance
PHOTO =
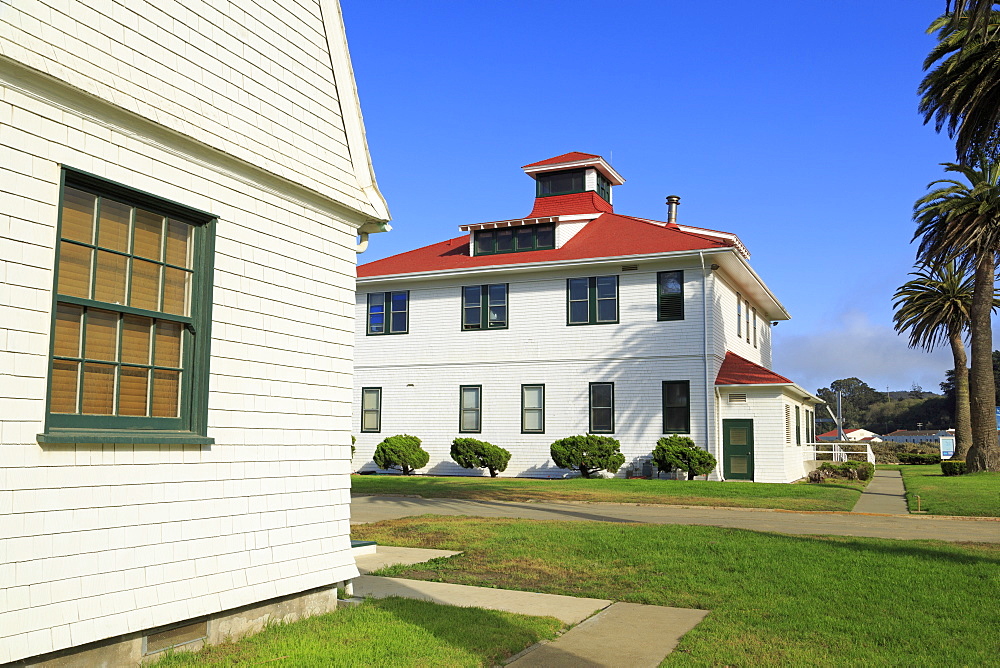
737,370
608,235
833,432
559,205
572,156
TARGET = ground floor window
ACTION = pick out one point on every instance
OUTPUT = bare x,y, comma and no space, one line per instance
602,408
470,408
532,409
371,409
676,407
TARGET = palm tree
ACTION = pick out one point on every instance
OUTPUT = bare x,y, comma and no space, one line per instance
962,91
934,307
961,221
975,12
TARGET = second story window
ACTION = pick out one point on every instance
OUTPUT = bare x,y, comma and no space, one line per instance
484,307
388,312
592,301
739,316
516,239
670,295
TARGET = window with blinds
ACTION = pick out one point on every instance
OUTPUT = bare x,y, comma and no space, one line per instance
670,295
129,271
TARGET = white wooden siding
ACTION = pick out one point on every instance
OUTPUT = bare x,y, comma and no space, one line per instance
725,328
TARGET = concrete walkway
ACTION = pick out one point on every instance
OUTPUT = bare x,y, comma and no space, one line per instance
375,508
619,634
884,495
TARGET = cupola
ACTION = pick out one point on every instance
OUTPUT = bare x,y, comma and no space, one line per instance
573,173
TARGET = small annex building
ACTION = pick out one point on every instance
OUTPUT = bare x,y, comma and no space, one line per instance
851,435
577,318
181,190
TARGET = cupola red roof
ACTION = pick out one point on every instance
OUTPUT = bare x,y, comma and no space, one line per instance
574,203
608,235
737,370
572,156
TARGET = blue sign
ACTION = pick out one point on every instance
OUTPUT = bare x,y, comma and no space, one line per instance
998,417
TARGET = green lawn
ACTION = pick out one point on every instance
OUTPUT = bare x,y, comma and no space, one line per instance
388,632
975,494
774,599
825,496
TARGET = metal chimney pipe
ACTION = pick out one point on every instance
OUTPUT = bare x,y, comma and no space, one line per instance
672,202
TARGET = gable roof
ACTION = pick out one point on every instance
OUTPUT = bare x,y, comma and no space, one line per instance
608,235
572,156
736,370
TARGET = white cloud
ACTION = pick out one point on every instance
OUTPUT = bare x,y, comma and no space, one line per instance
853,346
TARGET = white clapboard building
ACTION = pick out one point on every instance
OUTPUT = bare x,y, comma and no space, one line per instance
181,186
575,319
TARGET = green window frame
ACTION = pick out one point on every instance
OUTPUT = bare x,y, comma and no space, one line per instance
470,409
755,327
533,409
484,307
563,182
388,313
592,301
798,426
739,316
519,239
603,187
371,409
670,295
676,406
602,408
131,317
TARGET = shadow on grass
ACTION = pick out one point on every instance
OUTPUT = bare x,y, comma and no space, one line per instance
489,634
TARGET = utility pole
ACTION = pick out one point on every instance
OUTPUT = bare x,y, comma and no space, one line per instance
840,418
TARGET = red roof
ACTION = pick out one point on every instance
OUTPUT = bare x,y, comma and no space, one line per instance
736,370
608,235
558,205
833,432
572,156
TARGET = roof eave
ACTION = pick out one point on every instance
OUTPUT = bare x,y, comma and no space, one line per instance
792,386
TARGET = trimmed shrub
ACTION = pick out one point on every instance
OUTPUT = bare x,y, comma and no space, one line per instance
401,451
680,452
914,458
850,470
588,453
954,467
471,453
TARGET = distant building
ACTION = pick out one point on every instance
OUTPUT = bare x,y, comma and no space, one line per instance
916,436
851,435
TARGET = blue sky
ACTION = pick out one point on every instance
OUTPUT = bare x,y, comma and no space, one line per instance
792,124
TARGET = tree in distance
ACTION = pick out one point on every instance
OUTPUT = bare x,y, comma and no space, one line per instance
680,452
588,454
934,307
401,451
471,453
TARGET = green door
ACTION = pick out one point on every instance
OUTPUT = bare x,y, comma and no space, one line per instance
737,449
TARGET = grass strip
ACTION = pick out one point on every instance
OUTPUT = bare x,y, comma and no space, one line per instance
836,496
388,632
971,495
774,599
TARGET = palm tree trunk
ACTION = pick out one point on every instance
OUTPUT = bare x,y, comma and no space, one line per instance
963,420
984,454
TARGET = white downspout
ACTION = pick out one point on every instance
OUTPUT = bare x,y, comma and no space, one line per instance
365,230
362,246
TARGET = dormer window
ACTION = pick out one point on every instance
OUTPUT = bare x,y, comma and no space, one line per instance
515,239
560,183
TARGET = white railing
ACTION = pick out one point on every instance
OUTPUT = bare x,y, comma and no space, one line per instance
838,453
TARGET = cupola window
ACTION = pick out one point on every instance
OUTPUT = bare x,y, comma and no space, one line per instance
560,183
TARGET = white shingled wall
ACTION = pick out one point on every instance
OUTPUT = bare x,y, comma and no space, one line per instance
102,540
420,372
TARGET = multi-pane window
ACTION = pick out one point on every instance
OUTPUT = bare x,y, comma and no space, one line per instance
560,183
371,409
677,406
670,295
132,312
739,316
798,426
592,301
516,239
746,312
755,327
470,408
602,408
532,409
484,306
388,312
603,187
